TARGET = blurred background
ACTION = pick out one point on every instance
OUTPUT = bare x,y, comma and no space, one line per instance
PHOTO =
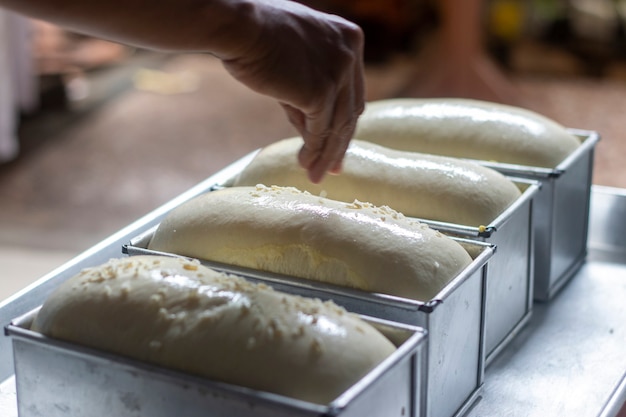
93,134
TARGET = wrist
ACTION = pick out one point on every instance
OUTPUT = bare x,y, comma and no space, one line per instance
233,27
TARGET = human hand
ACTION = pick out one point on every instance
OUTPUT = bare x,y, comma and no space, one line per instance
312,63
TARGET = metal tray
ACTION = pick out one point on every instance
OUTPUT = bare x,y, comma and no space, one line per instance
454,319
568,360
571,358
61,379
510,275
560,214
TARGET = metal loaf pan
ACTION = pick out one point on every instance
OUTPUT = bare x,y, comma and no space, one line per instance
560,214
510,275
61,379
454,319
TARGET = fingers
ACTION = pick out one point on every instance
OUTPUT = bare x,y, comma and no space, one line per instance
314,131
328,157
322,152
325,96
312,147
328,130
319,140
348,104
356,105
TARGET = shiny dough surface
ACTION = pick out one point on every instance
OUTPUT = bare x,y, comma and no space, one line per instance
415,184
287,231
182,315
467,129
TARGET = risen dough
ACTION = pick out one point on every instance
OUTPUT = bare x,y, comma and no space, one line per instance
286,231
418,185
182,315
467,129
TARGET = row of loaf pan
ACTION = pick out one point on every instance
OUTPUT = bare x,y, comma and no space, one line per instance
61,379
495,401
541,238
455,351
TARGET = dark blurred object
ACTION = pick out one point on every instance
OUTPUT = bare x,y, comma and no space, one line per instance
592,30
62,60
58,51
506,24
52,92
390,26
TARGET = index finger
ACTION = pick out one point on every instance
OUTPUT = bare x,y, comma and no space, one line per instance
349,104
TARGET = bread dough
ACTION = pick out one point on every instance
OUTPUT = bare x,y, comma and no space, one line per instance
182,315
287,231
417,185
467,128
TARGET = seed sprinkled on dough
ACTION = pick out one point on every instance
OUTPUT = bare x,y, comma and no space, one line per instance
125,290
299,332
316,347
244,310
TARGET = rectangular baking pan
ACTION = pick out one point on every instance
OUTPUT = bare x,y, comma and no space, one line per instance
560,212
510,285
510,275
454,319
61,379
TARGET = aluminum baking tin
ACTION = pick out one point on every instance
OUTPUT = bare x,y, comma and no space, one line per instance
61,379
454,319
560,212
510,286
510,278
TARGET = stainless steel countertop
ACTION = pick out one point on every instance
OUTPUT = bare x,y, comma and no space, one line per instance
569,360
571,357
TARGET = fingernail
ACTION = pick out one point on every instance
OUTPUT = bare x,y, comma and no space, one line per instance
316,177
336,169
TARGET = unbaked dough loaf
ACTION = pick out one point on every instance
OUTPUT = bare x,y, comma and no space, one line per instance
287,231
417,185
182,315
467,129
